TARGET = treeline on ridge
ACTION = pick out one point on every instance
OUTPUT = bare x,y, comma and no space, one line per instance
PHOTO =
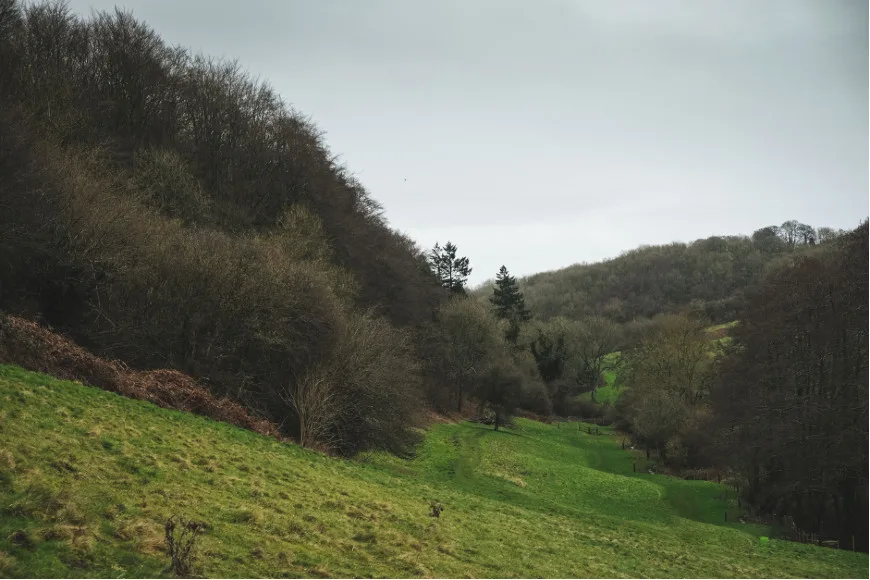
708,275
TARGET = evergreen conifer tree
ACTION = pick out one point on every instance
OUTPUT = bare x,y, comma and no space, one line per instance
509,304
452,272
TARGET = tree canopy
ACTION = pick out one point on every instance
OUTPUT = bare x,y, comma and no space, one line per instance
709,275
452,272
508,304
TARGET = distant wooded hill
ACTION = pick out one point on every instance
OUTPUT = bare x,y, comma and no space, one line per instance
710,275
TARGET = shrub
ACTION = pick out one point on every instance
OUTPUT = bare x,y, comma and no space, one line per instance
584,409
501,389
367,395
181,537
535,398
435,507
163,178
470,341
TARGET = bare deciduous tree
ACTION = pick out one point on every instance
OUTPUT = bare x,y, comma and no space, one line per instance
590,342
318,407
471,338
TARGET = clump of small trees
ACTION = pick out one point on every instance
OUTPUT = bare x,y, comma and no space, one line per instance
668,378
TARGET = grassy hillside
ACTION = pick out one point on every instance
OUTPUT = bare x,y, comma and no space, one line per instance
87,479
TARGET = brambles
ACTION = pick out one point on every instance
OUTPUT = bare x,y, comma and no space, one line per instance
436,508
181,536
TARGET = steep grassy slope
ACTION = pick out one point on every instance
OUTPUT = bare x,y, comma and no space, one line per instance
87,479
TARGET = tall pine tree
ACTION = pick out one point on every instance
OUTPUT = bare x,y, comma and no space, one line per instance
509,304
451,271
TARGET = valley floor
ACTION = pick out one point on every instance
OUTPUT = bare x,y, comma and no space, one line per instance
88,478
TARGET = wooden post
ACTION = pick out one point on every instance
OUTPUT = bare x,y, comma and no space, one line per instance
726,515
634,470
853,542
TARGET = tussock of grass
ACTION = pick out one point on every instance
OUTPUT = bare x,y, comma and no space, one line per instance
533,502
7,562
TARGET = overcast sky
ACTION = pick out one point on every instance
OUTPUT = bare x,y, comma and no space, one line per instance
543,133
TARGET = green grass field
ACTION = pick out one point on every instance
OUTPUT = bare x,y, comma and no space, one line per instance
87,479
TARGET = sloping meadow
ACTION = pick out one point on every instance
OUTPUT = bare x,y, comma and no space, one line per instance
88,480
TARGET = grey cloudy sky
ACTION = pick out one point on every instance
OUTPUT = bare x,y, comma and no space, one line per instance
549,132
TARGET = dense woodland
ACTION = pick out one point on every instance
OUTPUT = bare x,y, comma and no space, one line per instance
783,405
709,275
791,398
165,210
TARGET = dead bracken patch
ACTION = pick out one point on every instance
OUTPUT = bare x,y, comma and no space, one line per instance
32,347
